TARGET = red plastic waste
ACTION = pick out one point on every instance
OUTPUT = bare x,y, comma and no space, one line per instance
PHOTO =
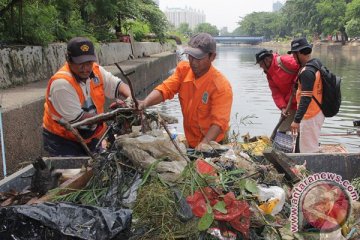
238,212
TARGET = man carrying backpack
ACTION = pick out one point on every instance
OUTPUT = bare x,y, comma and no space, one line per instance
281,73
308,118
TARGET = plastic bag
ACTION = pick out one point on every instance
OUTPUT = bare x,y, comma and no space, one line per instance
274,197
63,221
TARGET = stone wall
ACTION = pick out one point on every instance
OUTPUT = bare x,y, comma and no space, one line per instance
24,64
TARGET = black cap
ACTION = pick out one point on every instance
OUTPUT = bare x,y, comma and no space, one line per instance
299,44
80,50
262,54
200,45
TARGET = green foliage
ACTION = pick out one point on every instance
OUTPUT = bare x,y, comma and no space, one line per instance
206,220
139,29
42,22
185,30
261,24
353,27
156,19
221,207
353,10
309,18
352,16
38,27
329,10
208,28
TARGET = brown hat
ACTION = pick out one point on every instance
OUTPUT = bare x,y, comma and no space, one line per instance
200,45
80,50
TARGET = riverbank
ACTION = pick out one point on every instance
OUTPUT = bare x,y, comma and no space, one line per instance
317,46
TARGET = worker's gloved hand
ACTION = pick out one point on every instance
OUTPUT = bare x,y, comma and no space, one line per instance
118,104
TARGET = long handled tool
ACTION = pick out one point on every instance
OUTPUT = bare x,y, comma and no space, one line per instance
130,85
2,143
283,117
133,96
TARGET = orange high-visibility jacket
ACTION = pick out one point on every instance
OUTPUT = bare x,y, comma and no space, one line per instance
96,93
204,101
313,107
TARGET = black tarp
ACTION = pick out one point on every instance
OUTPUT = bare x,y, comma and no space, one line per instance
63,221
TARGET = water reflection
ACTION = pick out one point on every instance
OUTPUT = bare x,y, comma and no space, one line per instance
252,96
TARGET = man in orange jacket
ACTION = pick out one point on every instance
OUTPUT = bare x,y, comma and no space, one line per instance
309,118
281,73
205,94
75,92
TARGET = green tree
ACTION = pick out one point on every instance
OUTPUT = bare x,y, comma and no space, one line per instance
352,16
62,19
261,24
353,10
328,10
184,29
238,32
154,18
353,27
208,28
301,17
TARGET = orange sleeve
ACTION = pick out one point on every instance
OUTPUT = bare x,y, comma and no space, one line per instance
171,85
221,103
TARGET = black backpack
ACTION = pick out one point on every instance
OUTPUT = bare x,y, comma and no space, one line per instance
331,97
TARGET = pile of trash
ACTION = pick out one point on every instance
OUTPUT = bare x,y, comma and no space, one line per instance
150,186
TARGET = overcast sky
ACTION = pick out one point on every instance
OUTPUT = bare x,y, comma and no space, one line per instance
222,13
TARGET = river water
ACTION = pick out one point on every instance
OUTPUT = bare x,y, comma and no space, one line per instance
253,109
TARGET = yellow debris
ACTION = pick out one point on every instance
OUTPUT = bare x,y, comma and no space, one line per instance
257,147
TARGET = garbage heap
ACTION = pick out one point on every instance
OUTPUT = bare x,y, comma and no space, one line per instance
150,186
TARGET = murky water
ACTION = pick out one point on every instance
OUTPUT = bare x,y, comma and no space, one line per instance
253,101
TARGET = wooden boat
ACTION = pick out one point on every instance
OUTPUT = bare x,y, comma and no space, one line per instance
22,178
342,163
333,158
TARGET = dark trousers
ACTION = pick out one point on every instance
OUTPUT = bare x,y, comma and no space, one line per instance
59,146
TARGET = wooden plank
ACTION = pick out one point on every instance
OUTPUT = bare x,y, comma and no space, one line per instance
79,181
282,163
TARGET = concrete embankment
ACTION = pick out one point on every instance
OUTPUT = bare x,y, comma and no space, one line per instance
29,68
350,49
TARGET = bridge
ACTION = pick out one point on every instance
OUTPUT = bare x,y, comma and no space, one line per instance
239,40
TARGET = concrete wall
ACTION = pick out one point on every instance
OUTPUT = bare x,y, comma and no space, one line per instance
25,64
23,105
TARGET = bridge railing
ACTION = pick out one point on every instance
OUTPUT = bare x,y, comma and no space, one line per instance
239,39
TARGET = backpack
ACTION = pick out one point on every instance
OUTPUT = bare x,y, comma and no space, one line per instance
331,95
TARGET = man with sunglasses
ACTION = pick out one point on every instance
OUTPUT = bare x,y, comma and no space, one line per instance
75,92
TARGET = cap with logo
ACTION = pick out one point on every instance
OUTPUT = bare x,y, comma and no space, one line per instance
262,54
299,44
80,50
200,45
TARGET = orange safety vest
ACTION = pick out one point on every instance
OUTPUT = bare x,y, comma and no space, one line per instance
96,93
313,107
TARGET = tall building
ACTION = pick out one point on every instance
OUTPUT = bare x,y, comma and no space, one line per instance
176,16
277,6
